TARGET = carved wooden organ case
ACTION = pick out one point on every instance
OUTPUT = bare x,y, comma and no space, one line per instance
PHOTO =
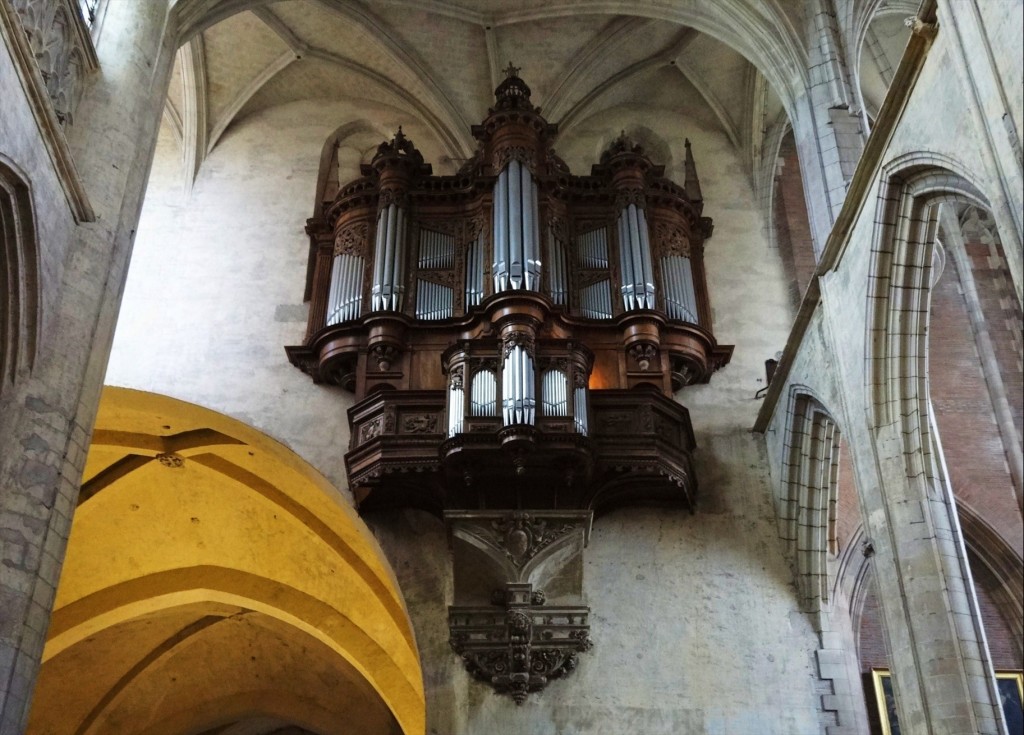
514,335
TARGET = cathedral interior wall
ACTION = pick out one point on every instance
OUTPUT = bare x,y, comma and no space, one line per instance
228,261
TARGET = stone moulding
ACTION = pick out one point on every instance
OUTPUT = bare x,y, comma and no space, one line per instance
42,106
507,565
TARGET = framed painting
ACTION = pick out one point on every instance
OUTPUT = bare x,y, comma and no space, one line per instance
1011,696
885,701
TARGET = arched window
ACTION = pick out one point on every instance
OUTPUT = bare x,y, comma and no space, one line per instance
19,274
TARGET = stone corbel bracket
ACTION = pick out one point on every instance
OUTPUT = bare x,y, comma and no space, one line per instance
518,620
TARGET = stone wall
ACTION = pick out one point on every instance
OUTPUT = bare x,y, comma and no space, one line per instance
686,608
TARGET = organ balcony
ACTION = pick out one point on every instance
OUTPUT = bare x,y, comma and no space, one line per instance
515,336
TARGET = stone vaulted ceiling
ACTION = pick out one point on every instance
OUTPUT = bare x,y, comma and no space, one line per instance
438,64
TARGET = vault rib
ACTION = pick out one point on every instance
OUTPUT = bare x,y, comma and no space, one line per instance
377,30
587,59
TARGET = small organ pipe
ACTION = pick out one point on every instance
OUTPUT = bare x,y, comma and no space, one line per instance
554,396
595,300
474,273
456,398
518,393
680,296
579,400
593,248
484,394
346,290
559,270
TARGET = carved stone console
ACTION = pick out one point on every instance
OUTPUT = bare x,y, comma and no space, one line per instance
519,620
514,336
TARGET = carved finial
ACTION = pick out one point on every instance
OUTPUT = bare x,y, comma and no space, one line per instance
513,92
691,184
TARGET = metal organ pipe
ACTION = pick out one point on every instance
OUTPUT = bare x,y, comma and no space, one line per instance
474,273
596,300
579,400
389,259
518,391
456,406
483,396
635,259
515,228
554,393
345,297
516,224
593,248
433,300
559,272
680,296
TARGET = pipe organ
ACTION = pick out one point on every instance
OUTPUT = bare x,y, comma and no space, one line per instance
515,336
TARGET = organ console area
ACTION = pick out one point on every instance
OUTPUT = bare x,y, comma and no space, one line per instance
514,335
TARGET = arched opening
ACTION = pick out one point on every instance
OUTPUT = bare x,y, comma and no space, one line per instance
791,223
19,276
214,580
882,43
908,449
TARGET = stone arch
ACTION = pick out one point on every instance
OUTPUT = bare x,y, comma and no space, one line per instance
764,36
212,574
807,512
861,38
809,495
327,181
984,546
900,281
1005,565
19,275
914,522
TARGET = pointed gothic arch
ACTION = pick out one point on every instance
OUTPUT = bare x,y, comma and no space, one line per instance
19,275
809,495
919,516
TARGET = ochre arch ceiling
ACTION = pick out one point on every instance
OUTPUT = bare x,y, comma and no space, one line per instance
214,582
437,63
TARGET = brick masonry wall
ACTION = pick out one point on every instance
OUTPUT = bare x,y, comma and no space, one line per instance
964,413
848,513
1003,316
792,226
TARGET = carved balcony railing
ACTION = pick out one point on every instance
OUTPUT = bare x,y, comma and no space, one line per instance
638,450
